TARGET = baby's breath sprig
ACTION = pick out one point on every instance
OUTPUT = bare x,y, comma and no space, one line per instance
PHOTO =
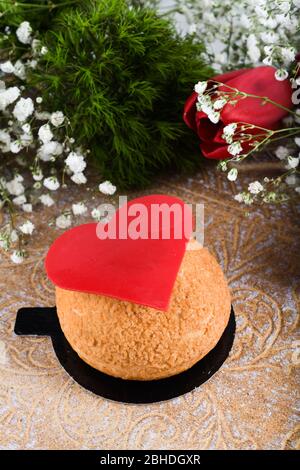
43,154
244,139
231,95
245,34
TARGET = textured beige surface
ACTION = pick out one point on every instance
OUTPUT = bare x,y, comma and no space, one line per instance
135,342
251,402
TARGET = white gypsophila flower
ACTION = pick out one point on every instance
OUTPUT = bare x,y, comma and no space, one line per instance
192,28
8,96
96,214
247,199
32,64
16,146
292,162
198,107
253,50
230,129
46,200
232,174
204,104
214,116
200,87
42,115
284,6
281,74
79,178
107,188
204,99
239,197
45,134
63,221
207,108
297,189
27,228
75,162
57,118
24,32
219,103
23,109
79,208
228,138
39,99
288,55
261,11
235,148
5,141
222,165
15,187
7,67
19,200
281,152
27,207
2,85
268,60
36,46
19,70
26,128
49,150
14,237
37,175
17,257
269,38
4,244
51,183
255,187
297,141
44,50
291,180
232,28
19,178
270,22
26,139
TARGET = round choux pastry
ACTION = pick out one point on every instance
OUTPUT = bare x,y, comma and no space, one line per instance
136,342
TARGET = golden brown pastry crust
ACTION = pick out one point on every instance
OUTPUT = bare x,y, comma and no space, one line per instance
135,342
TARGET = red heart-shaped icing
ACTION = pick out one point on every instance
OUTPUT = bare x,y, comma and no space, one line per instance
141,271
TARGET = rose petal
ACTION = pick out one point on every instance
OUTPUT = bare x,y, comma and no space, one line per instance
259,81
190,111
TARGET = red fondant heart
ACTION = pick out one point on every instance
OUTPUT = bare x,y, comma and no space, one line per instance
142,271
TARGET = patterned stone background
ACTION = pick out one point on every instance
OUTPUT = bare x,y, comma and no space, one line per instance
250,403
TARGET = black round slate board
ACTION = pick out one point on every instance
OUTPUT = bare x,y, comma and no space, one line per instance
44,322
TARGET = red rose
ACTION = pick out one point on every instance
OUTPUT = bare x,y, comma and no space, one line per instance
257,81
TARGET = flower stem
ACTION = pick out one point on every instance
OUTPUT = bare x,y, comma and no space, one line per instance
250,95
170,12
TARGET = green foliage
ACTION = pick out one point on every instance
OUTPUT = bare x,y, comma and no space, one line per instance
39,13
122,75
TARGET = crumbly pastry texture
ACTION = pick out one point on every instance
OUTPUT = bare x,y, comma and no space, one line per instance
132,341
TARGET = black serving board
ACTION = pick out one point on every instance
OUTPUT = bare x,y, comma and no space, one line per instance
44,322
